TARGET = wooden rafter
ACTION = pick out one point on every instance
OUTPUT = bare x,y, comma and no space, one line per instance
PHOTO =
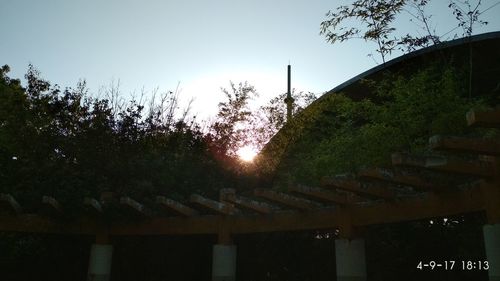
218,207
52,203
485,119
175,206
229,195
286,199
324,195
355,186
431,205
134,206
428,206
440,163
415,208
9,200
93,204
478,146
403,179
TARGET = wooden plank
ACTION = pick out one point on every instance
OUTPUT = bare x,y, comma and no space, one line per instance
9,200
422,207
477,146
357,187
93,205
286,199
134,206
430,205
439,163
52,203
33,223
229,195
218,207
325,195
414,208
175,206
393,177
484,119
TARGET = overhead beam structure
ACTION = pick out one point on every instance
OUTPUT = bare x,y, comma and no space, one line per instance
176,207
325,195
391,176
93,205
212,205
11,203
484,119
469,145
135,206
440,163
52,204
355,186
229,195
286,199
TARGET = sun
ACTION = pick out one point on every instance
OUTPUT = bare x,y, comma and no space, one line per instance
247,153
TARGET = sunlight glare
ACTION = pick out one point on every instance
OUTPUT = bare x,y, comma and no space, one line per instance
247,153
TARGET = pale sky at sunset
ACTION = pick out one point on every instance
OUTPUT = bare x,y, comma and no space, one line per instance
201,44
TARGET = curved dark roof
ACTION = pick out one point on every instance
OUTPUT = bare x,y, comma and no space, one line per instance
485,52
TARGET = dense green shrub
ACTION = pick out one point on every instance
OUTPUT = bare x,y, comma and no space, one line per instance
338,135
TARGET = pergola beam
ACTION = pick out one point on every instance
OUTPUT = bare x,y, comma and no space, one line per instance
286,199
229,195
439,163
393,177
218,207
175,206
485,119
134,206
93,204
9,200
477,146
357,187
324,195
52,204
429,206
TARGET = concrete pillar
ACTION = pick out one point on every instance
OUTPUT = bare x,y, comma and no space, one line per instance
100,262
224,262
491,234
350,260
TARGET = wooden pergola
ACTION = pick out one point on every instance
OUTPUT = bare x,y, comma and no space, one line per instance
414,187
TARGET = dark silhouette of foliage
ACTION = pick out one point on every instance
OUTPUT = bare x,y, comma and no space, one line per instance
65,144
374,20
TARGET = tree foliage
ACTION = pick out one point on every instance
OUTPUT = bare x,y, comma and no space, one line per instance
63,143
337,135
375,21
375,16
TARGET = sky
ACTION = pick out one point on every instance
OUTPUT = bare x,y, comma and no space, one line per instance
197,45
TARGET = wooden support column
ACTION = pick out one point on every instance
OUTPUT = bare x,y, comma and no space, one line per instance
491,231
224,262
100,258
350,259
224,255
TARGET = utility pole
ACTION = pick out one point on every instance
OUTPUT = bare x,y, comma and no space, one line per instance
289,100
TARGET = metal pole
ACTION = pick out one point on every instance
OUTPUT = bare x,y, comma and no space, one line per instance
289,99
